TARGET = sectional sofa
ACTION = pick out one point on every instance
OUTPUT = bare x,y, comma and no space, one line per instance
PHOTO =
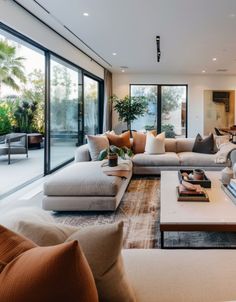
178,155
84,187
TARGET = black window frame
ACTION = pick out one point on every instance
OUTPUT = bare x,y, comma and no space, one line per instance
47,55
159,103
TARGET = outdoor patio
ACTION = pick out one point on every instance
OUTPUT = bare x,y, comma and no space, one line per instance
21,170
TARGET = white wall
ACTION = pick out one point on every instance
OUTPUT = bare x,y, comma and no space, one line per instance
196,87
17,18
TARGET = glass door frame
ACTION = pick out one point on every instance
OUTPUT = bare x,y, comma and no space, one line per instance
100,98
47,55
159,103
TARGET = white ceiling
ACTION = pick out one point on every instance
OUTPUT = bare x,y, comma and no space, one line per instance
192,32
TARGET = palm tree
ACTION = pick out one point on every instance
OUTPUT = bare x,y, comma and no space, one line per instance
11,67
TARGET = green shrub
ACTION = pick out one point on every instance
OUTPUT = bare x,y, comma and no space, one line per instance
5,118
169,130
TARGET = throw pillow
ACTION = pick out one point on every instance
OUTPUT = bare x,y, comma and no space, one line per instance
43,234
155,144
96,143
139,141
204,145
122,140
102,248
32,273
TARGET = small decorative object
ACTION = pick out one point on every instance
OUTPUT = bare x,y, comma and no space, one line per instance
234,170
193,177
233,137
112,159
198,174
226,175
227,172
112,154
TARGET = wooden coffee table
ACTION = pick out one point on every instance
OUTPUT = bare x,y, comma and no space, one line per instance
218,215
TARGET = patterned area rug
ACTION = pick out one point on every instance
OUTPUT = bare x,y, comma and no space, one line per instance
140,209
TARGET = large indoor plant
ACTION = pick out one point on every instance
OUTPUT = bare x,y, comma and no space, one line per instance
129,108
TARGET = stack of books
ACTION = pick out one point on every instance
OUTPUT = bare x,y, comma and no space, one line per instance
232,187
193,193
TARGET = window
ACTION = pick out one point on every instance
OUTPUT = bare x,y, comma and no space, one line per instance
91,106
72,109
149,120
22,95
64,111
166,111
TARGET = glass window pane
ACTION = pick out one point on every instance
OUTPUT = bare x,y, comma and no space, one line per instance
91,103
149,120
22,95
173,103
64,105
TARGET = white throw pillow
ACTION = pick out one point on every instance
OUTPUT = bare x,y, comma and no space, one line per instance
155,144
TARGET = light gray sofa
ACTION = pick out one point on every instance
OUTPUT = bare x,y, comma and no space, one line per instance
178,155
83,186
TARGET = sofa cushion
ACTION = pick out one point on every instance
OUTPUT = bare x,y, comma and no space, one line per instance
184,144
197,159
97,143
32,273
181,275
139,141
170,145
155,144
204,145
166,159
82,179
102,245
122,140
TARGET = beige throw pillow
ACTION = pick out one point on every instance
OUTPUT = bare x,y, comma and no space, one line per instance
96,143
102,248
155,144
44,234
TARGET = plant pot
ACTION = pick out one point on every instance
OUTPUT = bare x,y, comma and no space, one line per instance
112,160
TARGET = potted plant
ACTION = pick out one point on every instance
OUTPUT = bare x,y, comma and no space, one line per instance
112,154
130,108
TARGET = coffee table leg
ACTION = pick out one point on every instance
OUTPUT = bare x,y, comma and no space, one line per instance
162,240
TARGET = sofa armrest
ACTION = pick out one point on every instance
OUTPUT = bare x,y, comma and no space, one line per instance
82,153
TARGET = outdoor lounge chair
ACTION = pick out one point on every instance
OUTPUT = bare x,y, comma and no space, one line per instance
14,143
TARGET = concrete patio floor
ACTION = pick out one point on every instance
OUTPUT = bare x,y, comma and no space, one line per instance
21,170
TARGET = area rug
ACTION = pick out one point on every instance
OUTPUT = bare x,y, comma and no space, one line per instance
140,209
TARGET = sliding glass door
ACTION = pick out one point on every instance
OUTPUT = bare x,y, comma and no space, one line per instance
166,111
65,94
91,105
173,110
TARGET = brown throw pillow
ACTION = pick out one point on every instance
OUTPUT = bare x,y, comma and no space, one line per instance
204,145
139,141
102,246
31,273
122,140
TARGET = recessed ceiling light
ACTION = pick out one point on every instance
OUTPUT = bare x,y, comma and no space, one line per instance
203,71
114,53
232,15
214,59
122,70
86,14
